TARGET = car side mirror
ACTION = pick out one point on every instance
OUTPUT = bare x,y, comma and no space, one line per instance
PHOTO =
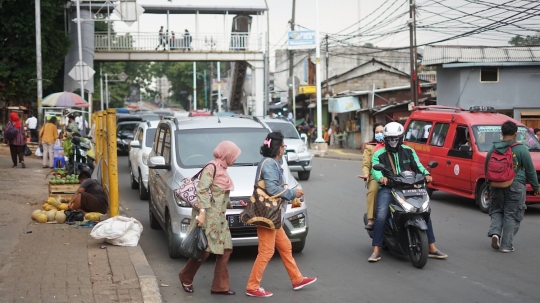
304,138
157,162
135,144
292,157
379,167
433,164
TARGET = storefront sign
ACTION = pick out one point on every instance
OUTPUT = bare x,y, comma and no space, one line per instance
307,89
343,105
301,39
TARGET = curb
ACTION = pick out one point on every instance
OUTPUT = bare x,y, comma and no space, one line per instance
147,279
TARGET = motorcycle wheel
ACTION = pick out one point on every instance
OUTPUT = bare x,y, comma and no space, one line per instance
419,247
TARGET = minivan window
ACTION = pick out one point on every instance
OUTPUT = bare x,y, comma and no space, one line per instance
485,135
287,129
198,145
418,131
150,134
439,134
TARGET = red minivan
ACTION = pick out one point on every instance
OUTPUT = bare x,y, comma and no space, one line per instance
459,139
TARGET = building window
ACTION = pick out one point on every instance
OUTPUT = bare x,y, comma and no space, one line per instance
489,74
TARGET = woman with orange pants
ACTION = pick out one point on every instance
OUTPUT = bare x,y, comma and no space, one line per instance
270,171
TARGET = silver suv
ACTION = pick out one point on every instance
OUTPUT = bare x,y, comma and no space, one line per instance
295,144
182,148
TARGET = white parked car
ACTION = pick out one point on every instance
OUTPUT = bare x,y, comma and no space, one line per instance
139,150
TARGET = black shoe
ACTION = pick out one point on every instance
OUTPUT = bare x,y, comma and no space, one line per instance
369,227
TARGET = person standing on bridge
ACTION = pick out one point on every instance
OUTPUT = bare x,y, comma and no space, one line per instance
187,40
161,38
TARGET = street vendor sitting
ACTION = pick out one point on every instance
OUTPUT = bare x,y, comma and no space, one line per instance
72,127
90,196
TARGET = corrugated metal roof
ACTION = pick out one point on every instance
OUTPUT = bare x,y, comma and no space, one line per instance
434,55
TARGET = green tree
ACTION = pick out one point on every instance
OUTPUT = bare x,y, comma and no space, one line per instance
18,47
519,40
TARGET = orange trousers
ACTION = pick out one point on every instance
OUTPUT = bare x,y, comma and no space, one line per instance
269,240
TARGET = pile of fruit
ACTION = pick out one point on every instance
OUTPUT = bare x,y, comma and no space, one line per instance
52,211
64,179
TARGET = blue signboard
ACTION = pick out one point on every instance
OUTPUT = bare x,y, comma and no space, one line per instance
301,39
343,104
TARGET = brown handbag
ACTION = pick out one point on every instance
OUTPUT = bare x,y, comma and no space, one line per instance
263,209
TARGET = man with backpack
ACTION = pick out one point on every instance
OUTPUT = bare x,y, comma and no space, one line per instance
508,167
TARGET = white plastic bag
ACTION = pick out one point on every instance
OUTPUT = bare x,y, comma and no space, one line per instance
38,152
121,231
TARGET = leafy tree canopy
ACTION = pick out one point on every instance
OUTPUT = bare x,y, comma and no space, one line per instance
519,40
18,47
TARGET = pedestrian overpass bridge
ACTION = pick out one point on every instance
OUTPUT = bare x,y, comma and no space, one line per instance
239,45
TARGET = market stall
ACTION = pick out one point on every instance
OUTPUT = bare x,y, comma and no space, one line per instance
345,108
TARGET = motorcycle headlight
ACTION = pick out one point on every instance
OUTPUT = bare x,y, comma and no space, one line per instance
302,148
180,202
145,159
406,206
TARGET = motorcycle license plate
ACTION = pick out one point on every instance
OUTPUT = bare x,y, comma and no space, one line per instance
414,192
234,221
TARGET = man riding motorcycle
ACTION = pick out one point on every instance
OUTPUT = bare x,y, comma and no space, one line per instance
399,158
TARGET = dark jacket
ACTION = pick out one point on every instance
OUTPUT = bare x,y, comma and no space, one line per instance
523,165
405,159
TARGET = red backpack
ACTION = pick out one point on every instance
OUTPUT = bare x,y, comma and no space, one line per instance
500,168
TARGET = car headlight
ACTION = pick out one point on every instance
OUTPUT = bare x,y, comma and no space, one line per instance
302,148
145,158
180,202
298,221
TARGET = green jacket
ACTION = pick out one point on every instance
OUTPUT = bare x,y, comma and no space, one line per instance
523,164
404,159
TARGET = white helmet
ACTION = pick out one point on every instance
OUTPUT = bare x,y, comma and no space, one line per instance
393,129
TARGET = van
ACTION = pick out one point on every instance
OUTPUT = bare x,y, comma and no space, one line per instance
459,141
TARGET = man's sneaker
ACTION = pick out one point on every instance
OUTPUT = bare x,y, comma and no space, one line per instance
374,258
507,250
495,242
305,281
259,293
437,255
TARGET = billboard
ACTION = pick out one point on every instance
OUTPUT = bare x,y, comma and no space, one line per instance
304,39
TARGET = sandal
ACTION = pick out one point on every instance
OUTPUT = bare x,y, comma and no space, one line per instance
14,166
227,292
187,288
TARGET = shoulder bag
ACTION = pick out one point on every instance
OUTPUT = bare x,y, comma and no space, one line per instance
188,190
263,209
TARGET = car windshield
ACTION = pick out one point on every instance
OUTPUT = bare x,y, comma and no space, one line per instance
150,134
287,129
127,128
195,147
485,135
151,117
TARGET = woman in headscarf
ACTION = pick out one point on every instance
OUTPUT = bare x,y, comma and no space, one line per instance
18,142
270,171
47,136
214,179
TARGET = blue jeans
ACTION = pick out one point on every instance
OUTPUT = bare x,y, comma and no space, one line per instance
384,198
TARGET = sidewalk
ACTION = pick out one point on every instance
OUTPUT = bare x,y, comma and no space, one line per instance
339,153
57,262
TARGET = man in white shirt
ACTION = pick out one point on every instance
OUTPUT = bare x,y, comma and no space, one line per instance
80,120
31,122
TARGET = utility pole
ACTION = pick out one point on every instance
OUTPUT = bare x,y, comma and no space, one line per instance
39,62
194,85
211,84
291,57
412,30
327,59
318,78
205,90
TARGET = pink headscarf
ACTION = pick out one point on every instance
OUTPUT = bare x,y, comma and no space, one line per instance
225,154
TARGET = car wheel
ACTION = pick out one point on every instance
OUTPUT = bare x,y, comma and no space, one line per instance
143,192
304,175
298,246
173,241
134,184
482,198
154,224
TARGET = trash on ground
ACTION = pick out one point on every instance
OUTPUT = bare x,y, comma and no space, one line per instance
164,285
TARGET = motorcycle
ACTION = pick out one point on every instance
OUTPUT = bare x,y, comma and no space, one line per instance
82,156
405,230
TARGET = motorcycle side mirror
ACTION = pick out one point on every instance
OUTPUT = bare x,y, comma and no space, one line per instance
433,164
378,167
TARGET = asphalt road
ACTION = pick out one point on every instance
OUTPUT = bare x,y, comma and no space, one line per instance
337,249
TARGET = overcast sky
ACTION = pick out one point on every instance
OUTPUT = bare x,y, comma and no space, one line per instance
336,15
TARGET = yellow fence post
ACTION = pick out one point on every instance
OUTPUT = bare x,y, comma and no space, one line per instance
114,200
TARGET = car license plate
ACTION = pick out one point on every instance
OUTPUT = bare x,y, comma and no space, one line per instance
414,192
234,221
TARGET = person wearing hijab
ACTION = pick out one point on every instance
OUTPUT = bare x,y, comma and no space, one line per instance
211,217
271,172
16,146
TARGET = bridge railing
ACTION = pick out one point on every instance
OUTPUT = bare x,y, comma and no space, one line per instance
206,42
